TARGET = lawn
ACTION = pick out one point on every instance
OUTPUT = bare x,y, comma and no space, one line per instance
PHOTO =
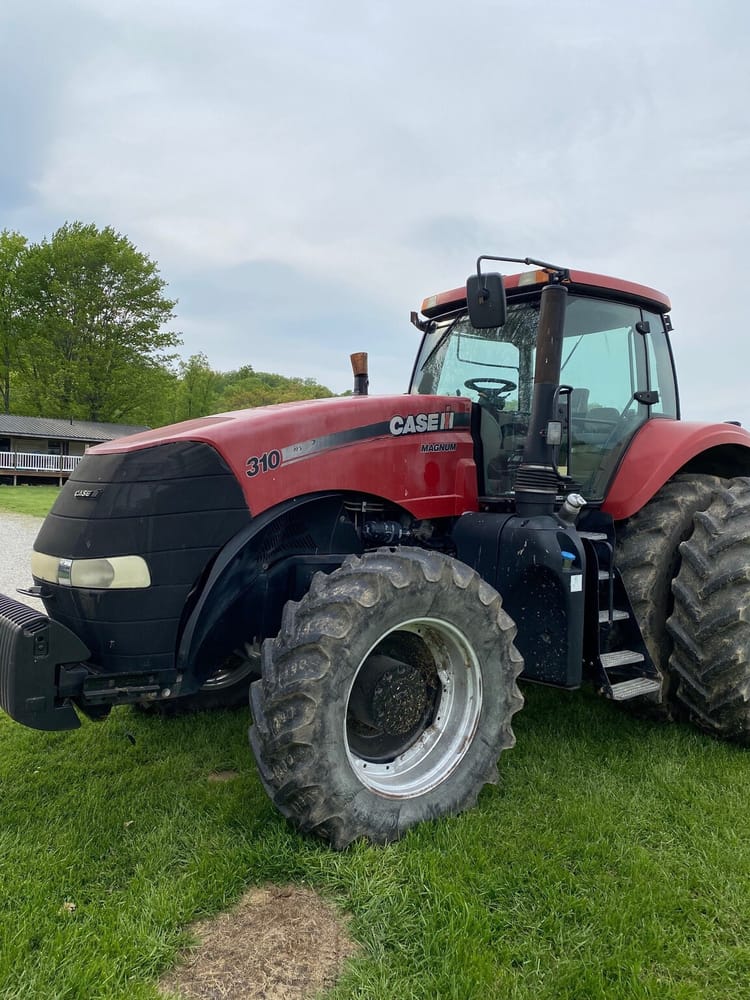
613,861
35,500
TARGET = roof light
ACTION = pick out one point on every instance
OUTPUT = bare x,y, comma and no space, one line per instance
537,277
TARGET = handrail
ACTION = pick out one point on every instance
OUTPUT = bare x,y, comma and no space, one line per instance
25,461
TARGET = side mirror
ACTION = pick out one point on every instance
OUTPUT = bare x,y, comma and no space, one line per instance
485,297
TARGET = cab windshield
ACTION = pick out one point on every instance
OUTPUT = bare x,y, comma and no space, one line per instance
611,352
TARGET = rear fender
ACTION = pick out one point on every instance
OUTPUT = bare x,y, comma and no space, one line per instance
266,564
662,448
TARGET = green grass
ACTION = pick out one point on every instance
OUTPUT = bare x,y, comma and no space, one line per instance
613,861
35,500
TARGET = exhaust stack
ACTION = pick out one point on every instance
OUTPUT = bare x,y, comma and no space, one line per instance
537,480
361,378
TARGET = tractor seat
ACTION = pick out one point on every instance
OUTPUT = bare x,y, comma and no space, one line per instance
513,431
596,426
609,413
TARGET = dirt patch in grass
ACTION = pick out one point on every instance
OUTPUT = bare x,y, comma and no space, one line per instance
220,776
277,943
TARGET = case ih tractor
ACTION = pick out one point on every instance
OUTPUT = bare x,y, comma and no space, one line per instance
383,569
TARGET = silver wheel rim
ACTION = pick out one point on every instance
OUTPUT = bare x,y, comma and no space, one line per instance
446,740
237,667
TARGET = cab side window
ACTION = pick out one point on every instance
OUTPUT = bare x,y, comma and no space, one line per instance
660,369
604,361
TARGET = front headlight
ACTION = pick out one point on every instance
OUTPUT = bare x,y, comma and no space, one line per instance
115,573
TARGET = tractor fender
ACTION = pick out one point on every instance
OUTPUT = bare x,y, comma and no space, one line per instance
241,596
662,448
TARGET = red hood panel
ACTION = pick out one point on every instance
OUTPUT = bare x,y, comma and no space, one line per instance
416,451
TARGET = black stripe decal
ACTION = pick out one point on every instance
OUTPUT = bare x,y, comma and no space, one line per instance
340,439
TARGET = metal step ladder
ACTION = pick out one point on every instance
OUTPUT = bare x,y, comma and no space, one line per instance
621,664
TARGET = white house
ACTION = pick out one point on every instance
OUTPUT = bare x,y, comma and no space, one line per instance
41,448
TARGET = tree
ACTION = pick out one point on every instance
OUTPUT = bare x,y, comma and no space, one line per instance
13,248
196,390
246,387
94,309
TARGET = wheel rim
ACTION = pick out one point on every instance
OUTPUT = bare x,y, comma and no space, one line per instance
433,736
238,666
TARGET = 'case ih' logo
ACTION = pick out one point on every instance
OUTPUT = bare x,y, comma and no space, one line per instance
422,423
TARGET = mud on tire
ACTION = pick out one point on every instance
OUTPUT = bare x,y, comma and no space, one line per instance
648,558
710,624
387,696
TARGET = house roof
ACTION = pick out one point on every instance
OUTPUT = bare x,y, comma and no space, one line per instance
64,430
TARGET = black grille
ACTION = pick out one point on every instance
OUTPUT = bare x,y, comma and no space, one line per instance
176,505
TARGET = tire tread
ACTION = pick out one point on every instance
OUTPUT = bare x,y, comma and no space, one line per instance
302,666
710,623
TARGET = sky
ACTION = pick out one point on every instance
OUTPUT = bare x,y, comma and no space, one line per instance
305,173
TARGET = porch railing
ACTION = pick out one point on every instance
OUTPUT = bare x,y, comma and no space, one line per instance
25,461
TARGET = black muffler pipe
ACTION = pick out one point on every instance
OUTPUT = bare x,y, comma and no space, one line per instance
361,378
537,481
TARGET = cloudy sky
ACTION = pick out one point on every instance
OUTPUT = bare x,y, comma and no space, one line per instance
305,173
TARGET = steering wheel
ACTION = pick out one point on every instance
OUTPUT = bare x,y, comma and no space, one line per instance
491,390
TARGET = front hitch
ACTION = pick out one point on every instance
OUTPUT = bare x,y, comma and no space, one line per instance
34,683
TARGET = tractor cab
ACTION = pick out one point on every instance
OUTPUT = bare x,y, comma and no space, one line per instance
616,373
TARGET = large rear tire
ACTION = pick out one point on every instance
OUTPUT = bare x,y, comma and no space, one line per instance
648,557
387,696
710,624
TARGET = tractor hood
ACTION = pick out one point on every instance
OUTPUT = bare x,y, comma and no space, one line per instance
416,451
152,511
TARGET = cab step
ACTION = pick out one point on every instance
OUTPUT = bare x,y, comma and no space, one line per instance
634,688
625,661
617,616
617,674
620,658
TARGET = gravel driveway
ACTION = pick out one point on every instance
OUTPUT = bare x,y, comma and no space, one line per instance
17,534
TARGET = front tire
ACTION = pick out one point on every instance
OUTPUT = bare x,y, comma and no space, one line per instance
387,696
710,625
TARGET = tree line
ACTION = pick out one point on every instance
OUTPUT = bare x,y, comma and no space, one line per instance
84,334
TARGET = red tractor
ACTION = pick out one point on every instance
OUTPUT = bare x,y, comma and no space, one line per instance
383,569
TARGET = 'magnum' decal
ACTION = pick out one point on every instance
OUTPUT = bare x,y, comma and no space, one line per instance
438,446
